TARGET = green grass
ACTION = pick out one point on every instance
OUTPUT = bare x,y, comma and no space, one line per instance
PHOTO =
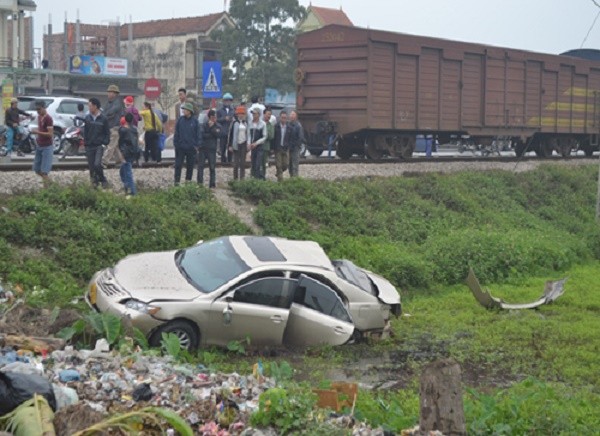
525,372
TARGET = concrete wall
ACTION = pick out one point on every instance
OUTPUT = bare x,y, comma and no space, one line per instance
28,42
160,57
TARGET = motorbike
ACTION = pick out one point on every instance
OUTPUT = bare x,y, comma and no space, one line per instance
71,140
24,141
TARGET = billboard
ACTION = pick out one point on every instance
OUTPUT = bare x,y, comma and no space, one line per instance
7,92
97,65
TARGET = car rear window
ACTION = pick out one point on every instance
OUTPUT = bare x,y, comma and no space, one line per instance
68,107
264,249
26,105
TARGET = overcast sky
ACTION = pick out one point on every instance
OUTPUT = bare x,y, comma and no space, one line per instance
549,26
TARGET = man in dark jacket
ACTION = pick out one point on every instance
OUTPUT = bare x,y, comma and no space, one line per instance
96,135
211,133
296,140
12,118
188,136
113,111
281,145
114,107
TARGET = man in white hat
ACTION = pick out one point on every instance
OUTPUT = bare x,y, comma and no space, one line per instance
113,111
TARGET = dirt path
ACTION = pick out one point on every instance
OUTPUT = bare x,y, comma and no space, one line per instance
237,207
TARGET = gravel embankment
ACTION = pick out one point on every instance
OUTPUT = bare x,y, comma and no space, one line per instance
157,178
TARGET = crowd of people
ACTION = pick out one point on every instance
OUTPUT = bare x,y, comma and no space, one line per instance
111,135
235,132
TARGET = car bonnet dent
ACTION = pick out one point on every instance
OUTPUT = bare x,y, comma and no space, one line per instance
552,290
139,276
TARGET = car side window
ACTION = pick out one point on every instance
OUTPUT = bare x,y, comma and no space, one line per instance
267,291
67,107
317,296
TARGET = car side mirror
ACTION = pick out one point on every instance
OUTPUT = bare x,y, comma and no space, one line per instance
227,313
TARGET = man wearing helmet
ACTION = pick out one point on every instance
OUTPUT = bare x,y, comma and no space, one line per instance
224,118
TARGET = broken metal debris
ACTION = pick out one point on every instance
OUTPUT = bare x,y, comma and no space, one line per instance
552,290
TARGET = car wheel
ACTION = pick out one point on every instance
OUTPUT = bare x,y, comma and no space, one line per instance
56,142
185,331
302,150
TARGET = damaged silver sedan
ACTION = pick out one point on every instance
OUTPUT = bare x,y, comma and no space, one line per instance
272,291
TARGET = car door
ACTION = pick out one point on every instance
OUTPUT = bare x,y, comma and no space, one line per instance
257,310
317,316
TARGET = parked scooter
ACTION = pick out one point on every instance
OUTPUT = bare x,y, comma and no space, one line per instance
24,141
72,140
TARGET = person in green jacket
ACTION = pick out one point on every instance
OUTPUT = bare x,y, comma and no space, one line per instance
267,144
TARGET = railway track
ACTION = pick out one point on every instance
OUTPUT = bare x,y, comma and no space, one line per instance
79,163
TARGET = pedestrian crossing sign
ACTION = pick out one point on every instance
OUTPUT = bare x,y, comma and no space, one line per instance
212,80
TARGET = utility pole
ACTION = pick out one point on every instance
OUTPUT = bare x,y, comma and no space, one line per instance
598,196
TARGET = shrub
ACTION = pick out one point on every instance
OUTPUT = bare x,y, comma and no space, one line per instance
496,256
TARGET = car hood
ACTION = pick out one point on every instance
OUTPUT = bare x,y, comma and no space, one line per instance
386,291
153,276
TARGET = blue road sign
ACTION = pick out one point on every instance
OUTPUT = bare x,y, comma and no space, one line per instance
212,76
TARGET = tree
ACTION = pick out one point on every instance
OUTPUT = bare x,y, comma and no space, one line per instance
260,50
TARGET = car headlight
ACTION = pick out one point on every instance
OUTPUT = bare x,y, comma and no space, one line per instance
140,306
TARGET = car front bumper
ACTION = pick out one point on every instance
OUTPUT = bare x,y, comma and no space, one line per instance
100,301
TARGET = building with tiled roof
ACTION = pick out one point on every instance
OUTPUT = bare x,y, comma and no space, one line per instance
317,17
171,50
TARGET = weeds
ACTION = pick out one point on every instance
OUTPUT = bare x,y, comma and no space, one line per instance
421,232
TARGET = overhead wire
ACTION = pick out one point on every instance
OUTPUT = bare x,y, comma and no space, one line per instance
593,24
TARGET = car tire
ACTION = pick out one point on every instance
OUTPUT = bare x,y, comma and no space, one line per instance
184,330
57,142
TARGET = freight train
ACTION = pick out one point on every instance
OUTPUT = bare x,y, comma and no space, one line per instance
373,91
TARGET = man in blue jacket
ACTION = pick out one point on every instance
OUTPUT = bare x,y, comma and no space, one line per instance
188,137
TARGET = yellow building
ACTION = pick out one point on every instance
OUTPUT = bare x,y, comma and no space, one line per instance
318,17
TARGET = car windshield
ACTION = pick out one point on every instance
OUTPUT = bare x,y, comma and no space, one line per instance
350,272
210,264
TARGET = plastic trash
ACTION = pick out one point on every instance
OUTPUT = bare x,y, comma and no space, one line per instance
8,357
16,388
142,392
102,346
24,368
69,375
65,396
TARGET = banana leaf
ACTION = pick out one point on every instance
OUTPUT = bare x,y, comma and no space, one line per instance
34,417
127,422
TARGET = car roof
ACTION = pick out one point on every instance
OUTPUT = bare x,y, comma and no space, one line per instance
258,251
53,97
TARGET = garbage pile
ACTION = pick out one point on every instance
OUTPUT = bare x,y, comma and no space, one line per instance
86,386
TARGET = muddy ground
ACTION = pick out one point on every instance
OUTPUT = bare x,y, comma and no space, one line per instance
391,369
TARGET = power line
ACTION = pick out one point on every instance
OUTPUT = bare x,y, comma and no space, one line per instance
593,24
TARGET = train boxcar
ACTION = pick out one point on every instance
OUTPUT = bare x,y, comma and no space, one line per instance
374,91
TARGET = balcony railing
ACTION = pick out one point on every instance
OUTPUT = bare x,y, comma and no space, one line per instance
7,63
